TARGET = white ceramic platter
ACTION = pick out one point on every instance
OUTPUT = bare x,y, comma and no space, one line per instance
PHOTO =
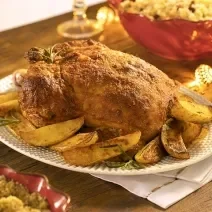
198,152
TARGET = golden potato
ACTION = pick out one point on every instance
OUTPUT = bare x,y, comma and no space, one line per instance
190,131
153,152
101,151
9,106
172,140
201,136
186,109
52,134
79,140
24,125
8,97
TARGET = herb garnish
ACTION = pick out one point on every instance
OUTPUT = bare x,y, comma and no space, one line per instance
4,121
38,53
129,164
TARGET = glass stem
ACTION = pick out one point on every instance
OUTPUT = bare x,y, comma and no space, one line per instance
79,10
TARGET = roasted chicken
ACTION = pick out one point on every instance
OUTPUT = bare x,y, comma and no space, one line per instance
109,88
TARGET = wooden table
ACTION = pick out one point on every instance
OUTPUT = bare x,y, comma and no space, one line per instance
88,193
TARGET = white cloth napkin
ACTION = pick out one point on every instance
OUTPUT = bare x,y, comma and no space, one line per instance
165,189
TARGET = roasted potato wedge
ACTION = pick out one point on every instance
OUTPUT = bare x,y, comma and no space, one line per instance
79,140
186,109
172,140
190,131
101,151
24,125
153,152
52,134
9,106
8,97
201,136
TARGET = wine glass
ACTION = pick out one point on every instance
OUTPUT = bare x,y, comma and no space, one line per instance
80,26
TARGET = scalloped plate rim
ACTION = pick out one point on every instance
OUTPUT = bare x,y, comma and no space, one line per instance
93,171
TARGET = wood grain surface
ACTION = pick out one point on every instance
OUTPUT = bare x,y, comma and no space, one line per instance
89,194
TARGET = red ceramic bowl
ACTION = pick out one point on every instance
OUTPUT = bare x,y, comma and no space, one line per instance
173,39
58,201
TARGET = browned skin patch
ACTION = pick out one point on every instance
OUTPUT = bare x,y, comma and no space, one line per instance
110,88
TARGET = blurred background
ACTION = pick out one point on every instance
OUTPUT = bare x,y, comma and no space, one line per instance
15,13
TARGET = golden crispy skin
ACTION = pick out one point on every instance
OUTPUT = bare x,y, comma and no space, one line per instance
110,88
